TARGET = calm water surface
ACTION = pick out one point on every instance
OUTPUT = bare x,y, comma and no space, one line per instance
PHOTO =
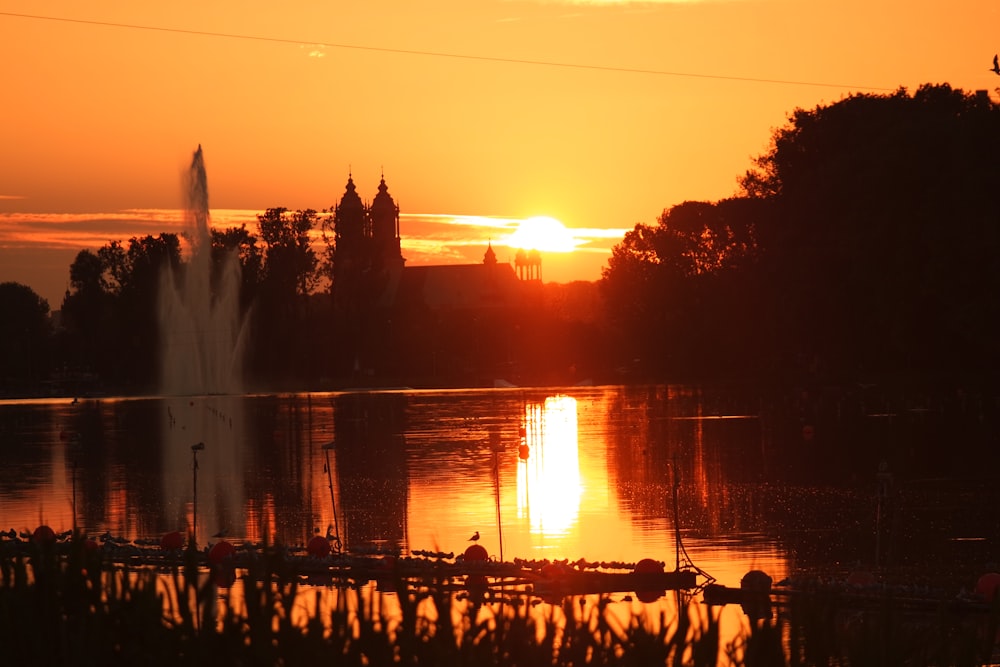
587,472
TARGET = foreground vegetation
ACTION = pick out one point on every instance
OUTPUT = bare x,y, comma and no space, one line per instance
78,610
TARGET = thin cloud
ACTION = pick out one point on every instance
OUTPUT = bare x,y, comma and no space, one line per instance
436,225
81,231
631,3
426,238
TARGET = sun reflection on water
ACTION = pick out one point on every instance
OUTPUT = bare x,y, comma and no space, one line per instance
549,484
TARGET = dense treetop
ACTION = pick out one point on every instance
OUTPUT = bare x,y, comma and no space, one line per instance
864,243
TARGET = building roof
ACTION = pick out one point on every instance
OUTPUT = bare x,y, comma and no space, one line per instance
459,287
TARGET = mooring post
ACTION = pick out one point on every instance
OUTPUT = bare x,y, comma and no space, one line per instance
884,478
74,499
194,467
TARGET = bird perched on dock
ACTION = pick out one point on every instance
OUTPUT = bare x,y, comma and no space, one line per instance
996,65
475,537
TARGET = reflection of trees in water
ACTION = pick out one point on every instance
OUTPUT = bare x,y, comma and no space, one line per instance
371,467
805,470
669,435
283,487
284,483
117,465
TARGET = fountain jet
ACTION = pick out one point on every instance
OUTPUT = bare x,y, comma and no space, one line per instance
199,309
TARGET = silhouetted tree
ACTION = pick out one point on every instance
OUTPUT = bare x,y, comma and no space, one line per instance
864,245
89,318
146,259
244,243
284,337
24,337
110,313
290,264
881,252
673,290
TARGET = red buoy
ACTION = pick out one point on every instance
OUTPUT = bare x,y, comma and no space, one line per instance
861,579
318,547
648,566
757,581
554,570
172,541
221,551
476,552
44,535
224,577
988,586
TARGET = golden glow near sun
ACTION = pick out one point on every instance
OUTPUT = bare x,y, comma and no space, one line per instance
542,233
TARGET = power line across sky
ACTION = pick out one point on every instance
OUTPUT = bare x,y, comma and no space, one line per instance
440,54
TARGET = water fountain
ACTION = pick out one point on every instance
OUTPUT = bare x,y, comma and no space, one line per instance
200,323
201,338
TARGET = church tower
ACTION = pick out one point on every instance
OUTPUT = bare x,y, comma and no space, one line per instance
350,225
384,217
529,265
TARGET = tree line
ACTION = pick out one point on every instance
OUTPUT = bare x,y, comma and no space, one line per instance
861,246
108,326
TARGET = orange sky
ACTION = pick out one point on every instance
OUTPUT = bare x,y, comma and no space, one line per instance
598,114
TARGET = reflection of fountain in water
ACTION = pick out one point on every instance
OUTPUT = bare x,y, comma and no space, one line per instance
201,348
200,323
218,422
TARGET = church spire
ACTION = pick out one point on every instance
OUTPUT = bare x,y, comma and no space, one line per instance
490,257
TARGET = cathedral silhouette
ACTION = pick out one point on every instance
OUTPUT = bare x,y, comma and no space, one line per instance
439,321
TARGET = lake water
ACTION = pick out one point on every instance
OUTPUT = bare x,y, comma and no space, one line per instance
777,483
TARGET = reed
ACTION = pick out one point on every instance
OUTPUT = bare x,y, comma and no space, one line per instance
76,608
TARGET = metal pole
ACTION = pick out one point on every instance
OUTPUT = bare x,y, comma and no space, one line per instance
677,522
333,503
74,499
194,521
496,485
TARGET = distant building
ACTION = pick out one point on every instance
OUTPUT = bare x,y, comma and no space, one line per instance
421,321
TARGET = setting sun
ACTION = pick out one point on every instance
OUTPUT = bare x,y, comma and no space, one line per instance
542,233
